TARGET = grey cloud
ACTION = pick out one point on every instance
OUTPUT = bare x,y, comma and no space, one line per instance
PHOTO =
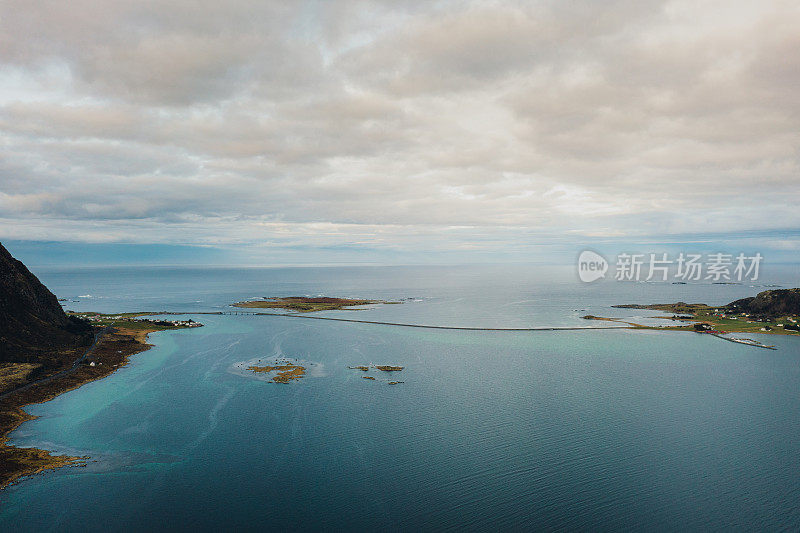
345,121
174,53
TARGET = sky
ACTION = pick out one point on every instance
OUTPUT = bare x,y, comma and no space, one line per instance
324,132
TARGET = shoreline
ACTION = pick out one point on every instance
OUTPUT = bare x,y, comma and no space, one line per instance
115,346
109,353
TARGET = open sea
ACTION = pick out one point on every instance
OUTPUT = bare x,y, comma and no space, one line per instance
602,430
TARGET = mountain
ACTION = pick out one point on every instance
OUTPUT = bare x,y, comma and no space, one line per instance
33,326
774,303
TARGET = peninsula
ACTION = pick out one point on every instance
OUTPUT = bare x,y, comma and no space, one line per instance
775,312
45,352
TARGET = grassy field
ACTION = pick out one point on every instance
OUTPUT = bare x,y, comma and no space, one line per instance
704,313
743,324
306,305
103,316
13,375
134,325
127,322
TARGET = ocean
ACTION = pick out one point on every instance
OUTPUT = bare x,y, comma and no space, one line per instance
490,430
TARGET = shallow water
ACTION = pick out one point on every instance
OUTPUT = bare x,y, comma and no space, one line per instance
490,430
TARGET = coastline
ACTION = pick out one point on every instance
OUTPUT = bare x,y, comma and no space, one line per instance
111,352
119,342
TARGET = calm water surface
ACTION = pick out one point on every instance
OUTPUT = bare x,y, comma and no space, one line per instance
577,430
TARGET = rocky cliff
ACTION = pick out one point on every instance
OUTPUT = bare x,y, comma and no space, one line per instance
33,326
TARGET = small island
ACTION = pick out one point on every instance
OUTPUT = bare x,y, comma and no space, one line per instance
389,368
382,368
285,372
305,304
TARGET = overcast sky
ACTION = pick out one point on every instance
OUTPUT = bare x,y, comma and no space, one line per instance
316,131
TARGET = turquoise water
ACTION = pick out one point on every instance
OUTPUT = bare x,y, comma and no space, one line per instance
578,430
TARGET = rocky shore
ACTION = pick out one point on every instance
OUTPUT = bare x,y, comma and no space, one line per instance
112,350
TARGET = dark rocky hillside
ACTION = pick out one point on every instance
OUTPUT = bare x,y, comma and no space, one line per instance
775,303
33,326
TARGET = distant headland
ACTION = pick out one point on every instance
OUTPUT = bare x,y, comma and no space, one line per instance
772,311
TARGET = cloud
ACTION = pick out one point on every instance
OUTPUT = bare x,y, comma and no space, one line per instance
273,122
